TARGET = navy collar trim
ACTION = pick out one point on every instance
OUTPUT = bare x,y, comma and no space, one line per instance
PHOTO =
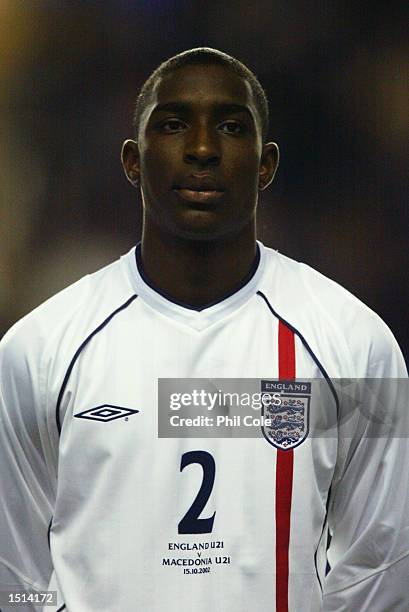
146,279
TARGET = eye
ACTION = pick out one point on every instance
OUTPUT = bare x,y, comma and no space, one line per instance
232,127
171,126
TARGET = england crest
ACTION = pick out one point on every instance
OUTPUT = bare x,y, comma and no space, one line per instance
286,412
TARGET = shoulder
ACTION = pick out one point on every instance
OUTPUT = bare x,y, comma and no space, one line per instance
332,319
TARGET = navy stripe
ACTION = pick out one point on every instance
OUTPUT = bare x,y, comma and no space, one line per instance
77,354
328,568
245,280
316,569
319,542
67,376
307,346
48,532
334,393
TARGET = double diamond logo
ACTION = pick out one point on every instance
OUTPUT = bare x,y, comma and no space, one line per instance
105,413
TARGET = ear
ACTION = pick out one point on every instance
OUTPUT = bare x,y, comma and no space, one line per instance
130,161
268,164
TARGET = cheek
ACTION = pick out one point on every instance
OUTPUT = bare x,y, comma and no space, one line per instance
156,169
247,175
244,160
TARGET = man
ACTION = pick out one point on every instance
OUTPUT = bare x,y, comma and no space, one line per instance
197,524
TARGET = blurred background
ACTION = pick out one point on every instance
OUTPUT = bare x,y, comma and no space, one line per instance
336,74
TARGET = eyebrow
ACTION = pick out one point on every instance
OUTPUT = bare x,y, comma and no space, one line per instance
183,107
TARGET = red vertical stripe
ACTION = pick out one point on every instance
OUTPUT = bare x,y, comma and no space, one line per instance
284,477
286,352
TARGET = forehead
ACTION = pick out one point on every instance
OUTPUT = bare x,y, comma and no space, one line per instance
202,86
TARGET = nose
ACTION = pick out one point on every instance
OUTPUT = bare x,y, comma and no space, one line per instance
202,147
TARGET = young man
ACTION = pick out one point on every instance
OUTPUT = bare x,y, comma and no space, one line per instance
93,504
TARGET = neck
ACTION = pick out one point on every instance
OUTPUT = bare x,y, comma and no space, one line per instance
198,272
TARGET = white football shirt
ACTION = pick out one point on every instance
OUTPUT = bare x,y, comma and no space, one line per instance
96,506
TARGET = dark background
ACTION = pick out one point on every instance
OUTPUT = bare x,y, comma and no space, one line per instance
336,74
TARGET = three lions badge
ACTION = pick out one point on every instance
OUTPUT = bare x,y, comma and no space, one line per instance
287,417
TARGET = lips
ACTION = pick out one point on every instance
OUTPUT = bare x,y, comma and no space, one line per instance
199,190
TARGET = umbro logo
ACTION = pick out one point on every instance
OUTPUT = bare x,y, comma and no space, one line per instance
105,413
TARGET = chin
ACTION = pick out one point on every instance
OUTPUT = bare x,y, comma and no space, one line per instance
201,225
205,232
198,235
197,225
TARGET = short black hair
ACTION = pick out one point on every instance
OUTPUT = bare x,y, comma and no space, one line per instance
202,56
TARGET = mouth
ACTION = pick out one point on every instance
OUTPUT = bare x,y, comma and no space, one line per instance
199,191
205,196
